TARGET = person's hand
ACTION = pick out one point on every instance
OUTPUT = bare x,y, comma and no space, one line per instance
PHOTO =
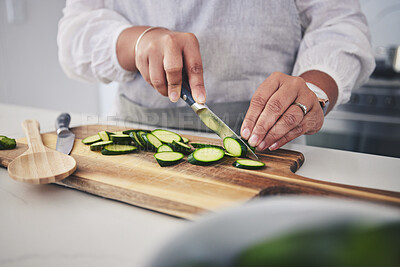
161,56
272,119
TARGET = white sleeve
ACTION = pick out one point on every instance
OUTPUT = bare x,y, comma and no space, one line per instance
336,41
87,37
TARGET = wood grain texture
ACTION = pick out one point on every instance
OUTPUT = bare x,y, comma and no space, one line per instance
186,190
39,164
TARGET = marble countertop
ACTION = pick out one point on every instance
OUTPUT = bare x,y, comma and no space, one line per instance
54,226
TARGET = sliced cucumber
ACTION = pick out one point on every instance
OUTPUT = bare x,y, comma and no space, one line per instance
129,131
139,136
200,145
167,136
206,155
168,158
135,138
122,139
164,148
185,140
99,145
234,147
181,147
104,135
152,142
229,155
7,143
114,149
91,139
248,164
117,132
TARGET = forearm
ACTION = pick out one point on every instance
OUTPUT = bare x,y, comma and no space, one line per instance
325,82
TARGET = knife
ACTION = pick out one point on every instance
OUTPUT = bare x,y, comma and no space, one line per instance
212,121
65,138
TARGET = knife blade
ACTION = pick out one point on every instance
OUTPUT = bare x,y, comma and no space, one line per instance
65,138
212,121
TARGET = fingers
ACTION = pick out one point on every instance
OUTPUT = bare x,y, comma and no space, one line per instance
275,107
257,105
162,57
273,120
157,74
194,68
286,123
173,64
311,124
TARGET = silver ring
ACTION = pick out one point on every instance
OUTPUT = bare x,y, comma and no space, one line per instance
303,107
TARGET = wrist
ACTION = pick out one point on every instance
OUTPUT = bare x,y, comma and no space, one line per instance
325,83
321,95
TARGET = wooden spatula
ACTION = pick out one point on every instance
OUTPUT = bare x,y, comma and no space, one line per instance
39,164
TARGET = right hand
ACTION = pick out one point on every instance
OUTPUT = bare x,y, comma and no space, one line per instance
162,55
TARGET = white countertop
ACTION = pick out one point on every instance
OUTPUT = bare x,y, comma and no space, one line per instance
54,226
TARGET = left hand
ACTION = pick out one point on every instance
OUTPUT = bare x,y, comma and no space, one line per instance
272,119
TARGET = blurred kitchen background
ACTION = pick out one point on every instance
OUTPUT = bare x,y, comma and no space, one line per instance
31,76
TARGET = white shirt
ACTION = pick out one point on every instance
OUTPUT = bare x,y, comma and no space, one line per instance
241,42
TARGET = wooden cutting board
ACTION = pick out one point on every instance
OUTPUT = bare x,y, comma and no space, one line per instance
186,190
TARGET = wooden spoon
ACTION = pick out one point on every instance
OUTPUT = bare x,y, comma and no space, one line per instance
39,164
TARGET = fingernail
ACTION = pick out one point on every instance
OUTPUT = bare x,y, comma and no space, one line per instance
246,133
253,140
261,146
173,96
274,146
201,99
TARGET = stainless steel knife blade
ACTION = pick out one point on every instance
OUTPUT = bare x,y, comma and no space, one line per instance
212,121
65,138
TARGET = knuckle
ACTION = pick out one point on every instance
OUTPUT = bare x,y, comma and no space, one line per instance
274,106
196,68
276,74
173,70
289,119
157,83
258,102
298,130
261,129
251,119
170,38
191,36
173,84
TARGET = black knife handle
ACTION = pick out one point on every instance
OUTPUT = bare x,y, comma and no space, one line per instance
186,92
63,121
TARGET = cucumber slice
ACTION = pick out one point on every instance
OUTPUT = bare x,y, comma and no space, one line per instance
229,155
104,135
99,145
168,158
117,132
91,139
114,149
200,145
181,147
185,140
248,164
167,136
234,147
7,143
122,139
164,148
139,136
206,155
152,142
135,138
